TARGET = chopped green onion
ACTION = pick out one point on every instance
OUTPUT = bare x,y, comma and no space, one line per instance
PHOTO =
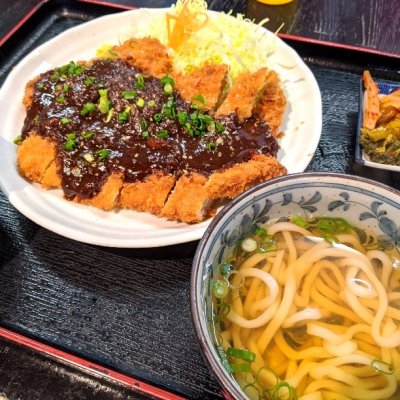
219,127
109,115
60,99
65,120
66,88
162,134
260,231
211,146
151,103
140,102
299,221
71,136
87,135
290,393
167,80
113,53
129,94
220,289
236,368
36,119
157,117
55,76
145,134
103,154
248,245
382,367
200,99
267,244
182,117
88,108
225,268
143,124
40,86
123,116
224,359
70,144
168,89
140,81
194,106
243,354
17,139
104,102
89,80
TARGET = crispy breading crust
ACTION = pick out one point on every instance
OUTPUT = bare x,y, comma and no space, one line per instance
148,195
245,92
188,200
240,177
35,154
147,54
272,104
107,198
210,81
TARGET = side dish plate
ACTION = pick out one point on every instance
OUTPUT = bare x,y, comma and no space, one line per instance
302,127
361,157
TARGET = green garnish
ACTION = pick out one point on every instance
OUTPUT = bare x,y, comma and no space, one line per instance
211,146
182,117
124,115
220,289
71,142
17,139
40,85
157,117
240,368
87,135
60,99
162,134
103,154
88,157
89,80
299,221
36,119
151,103
55,76
267,244
168,109
143,124
65,120
104,102
382,367
260,231
109,115
129,94
219,127
112,52
225,268
88,108
200,99
243,354
168,89
66,88
71,69
145,134
140,102
167,80
140,81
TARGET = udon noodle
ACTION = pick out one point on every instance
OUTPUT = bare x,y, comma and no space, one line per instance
309,318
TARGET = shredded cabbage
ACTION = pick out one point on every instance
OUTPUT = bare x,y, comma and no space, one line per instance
234,41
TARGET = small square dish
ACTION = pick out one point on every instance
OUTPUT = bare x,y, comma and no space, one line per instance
379,153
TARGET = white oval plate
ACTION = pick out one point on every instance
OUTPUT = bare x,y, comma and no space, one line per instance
125,228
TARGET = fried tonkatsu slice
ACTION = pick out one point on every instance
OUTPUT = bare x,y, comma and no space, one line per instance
35,155
240,177
210,81
188,200
272,103
147,54
244,94
149,195
107,198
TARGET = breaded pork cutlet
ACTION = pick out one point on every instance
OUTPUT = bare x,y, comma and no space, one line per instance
209,81
272,103
111,137
147,54
244,94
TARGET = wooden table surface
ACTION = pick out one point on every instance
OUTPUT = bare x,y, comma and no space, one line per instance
367,23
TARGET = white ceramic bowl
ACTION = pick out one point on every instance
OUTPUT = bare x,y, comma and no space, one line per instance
366,204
